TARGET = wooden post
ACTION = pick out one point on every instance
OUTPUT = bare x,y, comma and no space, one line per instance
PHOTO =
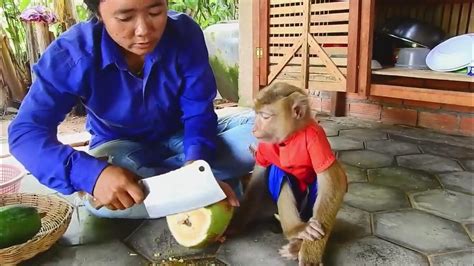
37,40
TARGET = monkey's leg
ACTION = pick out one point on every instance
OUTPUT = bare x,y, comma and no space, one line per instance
332,185
291,222
255,194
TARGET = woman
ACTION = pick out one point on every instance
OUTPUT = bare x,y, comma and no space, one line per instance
144,77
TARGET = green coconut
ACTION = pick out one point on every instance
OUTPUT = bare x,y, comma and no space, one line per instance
201,227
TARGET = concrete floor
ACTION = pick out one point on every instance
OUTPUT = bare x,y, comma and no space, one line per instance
410,202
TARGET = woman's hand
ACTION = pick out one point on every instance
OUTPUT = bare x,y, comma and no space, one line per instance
229,192
117,188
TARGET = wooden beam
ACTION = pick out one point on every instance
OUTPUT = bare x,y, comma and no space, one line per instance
281,64
353,46
366,40
305,45
422,94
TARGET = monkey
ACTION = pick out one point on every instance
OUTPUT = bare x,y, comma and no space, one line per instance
297,169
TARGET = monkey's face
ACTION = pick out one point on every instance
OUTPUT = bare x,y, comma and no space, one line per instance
273,123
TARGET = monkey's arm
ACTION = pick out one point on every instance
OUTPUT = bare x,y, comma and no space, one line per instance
332,185
254,196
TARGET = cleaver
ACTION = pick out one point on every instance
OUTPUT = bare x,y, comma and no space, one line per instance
190,187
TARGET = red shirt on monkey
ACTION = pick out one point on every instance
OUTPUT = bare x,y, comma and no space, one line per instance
297,160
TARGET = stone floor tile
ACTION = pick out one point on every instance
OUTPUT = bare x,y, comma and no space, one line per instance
469,165
429,163
330,129
4,150
421,231
458,181
29,184
345,143
111,253
366,159
355,174
154,241
452,205
423,136
373,198
392,147
85,229
465,257
351,223
372,251
402,178
448,151
470,230
75,139
363,134
256,247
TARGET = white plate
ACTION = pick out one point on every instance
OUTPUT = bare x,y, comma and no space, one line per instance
452,54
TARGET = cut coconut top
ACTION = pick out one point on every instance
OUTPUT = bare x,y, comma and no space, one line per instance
191,228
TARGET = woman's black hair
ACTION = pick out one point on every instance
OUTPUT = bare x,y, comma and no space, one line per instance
93,6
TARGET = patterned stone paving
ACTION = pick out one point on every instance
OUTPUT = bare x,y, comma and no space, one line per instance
410,202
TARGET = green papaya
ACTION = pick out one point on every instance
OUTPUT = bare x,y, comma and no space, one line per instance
18,224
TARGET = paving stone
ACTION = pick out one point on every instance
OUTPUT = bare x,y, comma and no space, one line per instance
366,159
392,147
402,178
423,136
363,134
345,143
373,198
470,230
452,205
256,247
75,139
448,151
421,231
458,181
29,184
469,165
331,131
154,241
355,174
429,163
4,150
351,223
465,257
104,254
372,251
86,228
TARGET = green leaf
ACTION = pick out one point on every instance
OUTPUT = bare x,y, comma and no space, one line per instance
23,4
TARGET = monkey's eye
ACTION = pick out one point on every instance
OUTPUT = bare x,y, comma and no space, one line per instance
265,115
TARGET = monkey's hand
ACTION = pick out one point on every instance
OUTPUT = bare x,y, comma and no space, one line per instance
290,251
312,231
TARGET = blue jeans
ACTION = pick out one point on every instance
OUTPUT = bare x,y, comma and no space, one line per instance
233,158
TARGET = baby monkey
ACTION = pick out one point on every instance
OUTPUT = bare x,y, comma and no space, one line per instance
296,168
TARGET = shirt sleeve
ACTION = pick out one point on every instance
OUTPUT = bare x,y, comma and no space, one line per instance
319,149
260,157
32,135
199,91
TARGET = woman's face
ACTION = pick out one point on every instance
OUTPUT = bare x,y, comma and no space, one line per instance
135,25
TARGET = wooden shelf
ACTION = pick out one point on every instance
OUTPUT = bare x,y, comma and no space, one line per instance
424,74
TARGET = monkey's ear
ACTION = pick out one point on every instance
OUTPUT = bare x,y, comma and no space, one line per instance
300,105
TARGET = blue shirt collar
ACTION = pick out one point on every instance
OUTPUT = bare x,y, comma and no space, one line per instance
111,51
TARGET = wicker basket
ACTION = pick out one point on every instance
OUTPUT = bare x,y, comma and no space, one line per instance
58,215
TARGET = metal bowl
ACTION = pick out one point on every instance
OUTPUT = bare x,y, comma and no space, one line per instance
414,31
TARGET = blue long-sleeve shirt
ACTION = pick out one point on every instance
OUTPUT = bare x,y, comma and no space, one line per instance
175,92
